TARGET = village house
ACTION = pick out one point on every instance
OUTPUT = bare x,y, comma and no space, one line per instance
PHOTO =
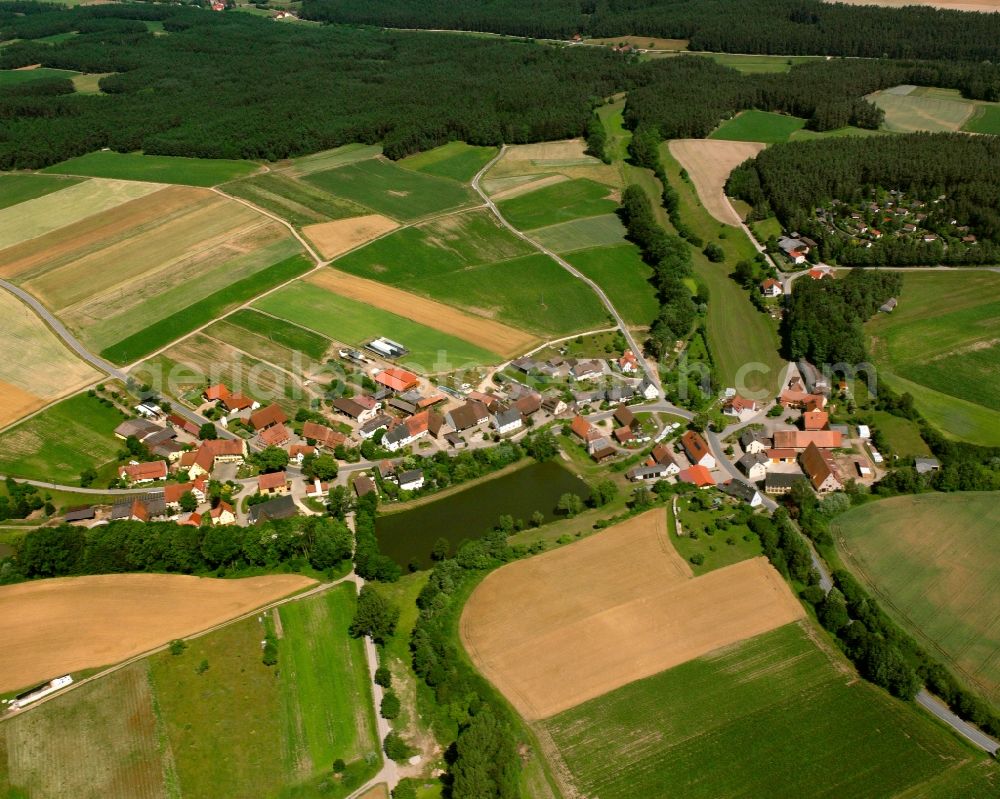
754,441
800,439
648,390
802,400
820,469
662,456
628,364
185,425
815,420
781,456
273,483
275,436
528,404
139,473
583,429
600,448
645,472
587,370
624,417
222,514
772,288
465,417
139,509
318,490
795,250
696,449
136,428
278,508
363,485
697,475
268,417
236,403
322,435
554,405
173,492
371,427
753,465
616,395
406,432
745,492
298,452
740,408
354,409
412,480
777,483
507,421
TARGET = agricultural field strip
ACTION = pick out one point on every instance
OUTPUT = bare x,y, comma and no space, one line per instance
319,589
709,162
260,359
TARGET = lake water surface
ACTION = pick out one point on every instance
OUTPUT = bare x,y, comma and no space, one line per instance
409,536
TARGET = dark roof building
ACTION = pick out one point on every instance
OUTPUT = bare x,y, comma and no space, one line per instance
277,508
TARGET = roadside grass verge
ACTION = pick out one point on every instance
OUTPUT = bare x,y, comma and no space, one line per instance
178,324
154,168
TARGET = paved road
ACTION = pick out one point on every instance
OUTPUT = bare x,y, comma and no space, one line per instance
96,361
651,374
934,705
124,492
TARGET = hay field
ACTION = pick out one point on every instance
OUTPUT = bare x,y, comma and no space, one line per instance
456,160
20,186
776,715
570,625
708,162
759,126
68,624
942,344
341,235
623,275
526,162
292,199
931,558
36,217
329,159
155,168
482,332
912,108
559,202
36,367
581,234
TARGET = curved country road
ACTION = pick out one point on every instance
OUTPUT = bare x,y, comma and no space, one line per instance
651,374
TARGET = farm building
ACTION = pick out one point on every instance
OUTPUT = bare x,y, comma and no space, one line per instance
781,482
696,448
507,421
889,305
363,485
412,480
697,475
396,379
387,348
268,417
143,472
800,439
820,469
371,427
355,410
640,473
472,414
754,441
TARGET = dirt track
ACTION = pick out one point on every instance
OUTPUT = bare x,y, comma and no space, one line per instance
709,162
54,627
493,336
567,626
337,237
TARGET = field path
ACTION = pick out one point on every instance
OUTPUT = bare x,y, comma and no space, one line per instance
650,373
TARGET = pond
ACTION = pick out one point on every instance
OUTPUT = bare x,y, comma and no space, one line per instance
409,536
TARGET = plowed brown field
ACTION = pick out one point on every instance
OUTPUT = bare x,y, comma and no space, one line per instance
569,625
54,627
337,237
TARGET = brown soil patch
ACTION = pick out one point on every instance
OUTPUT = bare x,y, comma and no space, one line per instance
93,233
16,402
494,336
337,237
54,627
547,151
27,68
570,625
709,162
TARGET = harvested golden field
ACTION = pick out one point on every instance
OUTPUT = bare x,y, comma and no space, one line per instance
494,336
37,217
548,160
709,162
36,367
337,237
54,627
569,625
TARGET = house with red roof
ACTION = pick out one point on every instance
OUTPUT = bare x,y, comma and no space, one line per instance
268,417
275,436
696,475
216,393
628,363
772,288
697,450
396,379
274,483
143,472
815,420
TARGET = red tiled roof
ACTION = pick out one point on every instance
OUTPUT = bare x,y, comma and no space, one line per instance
172,493
272,480
217,392
152,470
695,446
397,379
581,427
222,447
815,420
267,417
322,434
237,402
800,439
301,449
140,511
662,455
697,475
275,436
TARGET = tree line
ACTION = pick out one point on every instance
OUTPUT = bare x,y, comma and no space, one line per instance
200,91
823,318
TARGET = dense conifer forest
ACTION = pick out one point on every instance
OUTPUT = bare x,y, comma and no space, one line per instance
948,176
786,27
202,89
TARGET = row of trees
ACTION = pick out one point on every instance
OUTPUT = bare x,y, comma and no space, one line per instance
955,174
126,546
735,26
199,90
823,318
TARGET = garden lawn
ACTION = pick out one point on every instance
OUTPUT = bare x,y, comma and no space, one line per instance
783,716
931,559
756,125
389,189
456,160
18,187
355,323
624,276
942,344
560,202
61,441
155,168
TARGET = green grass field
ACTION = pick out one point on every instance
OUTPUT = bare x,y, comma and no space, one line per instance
155,168
17,77
392,190
618,137
850,130
703,537
293,200
62,441
931,558
533,293
917,108
581,234
329,159
172,327
624,276
437,247
559,202
456,160
295,338
738,334
354,323
942,344
757,64
985,119
19,187
758,126
773,716
901,435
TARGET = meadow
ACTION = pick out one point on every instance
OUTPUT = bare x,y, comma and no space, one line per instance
525,167
703,537
902,436
154,168
914,108
392,190
624,276
355,323
295,338
292,199
930,558
61,441
212,720
777,699
612,117
456,160
763,126
942,344
985,119
16,77
738,334
18,187
560,202
758,64
581,234
329,159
